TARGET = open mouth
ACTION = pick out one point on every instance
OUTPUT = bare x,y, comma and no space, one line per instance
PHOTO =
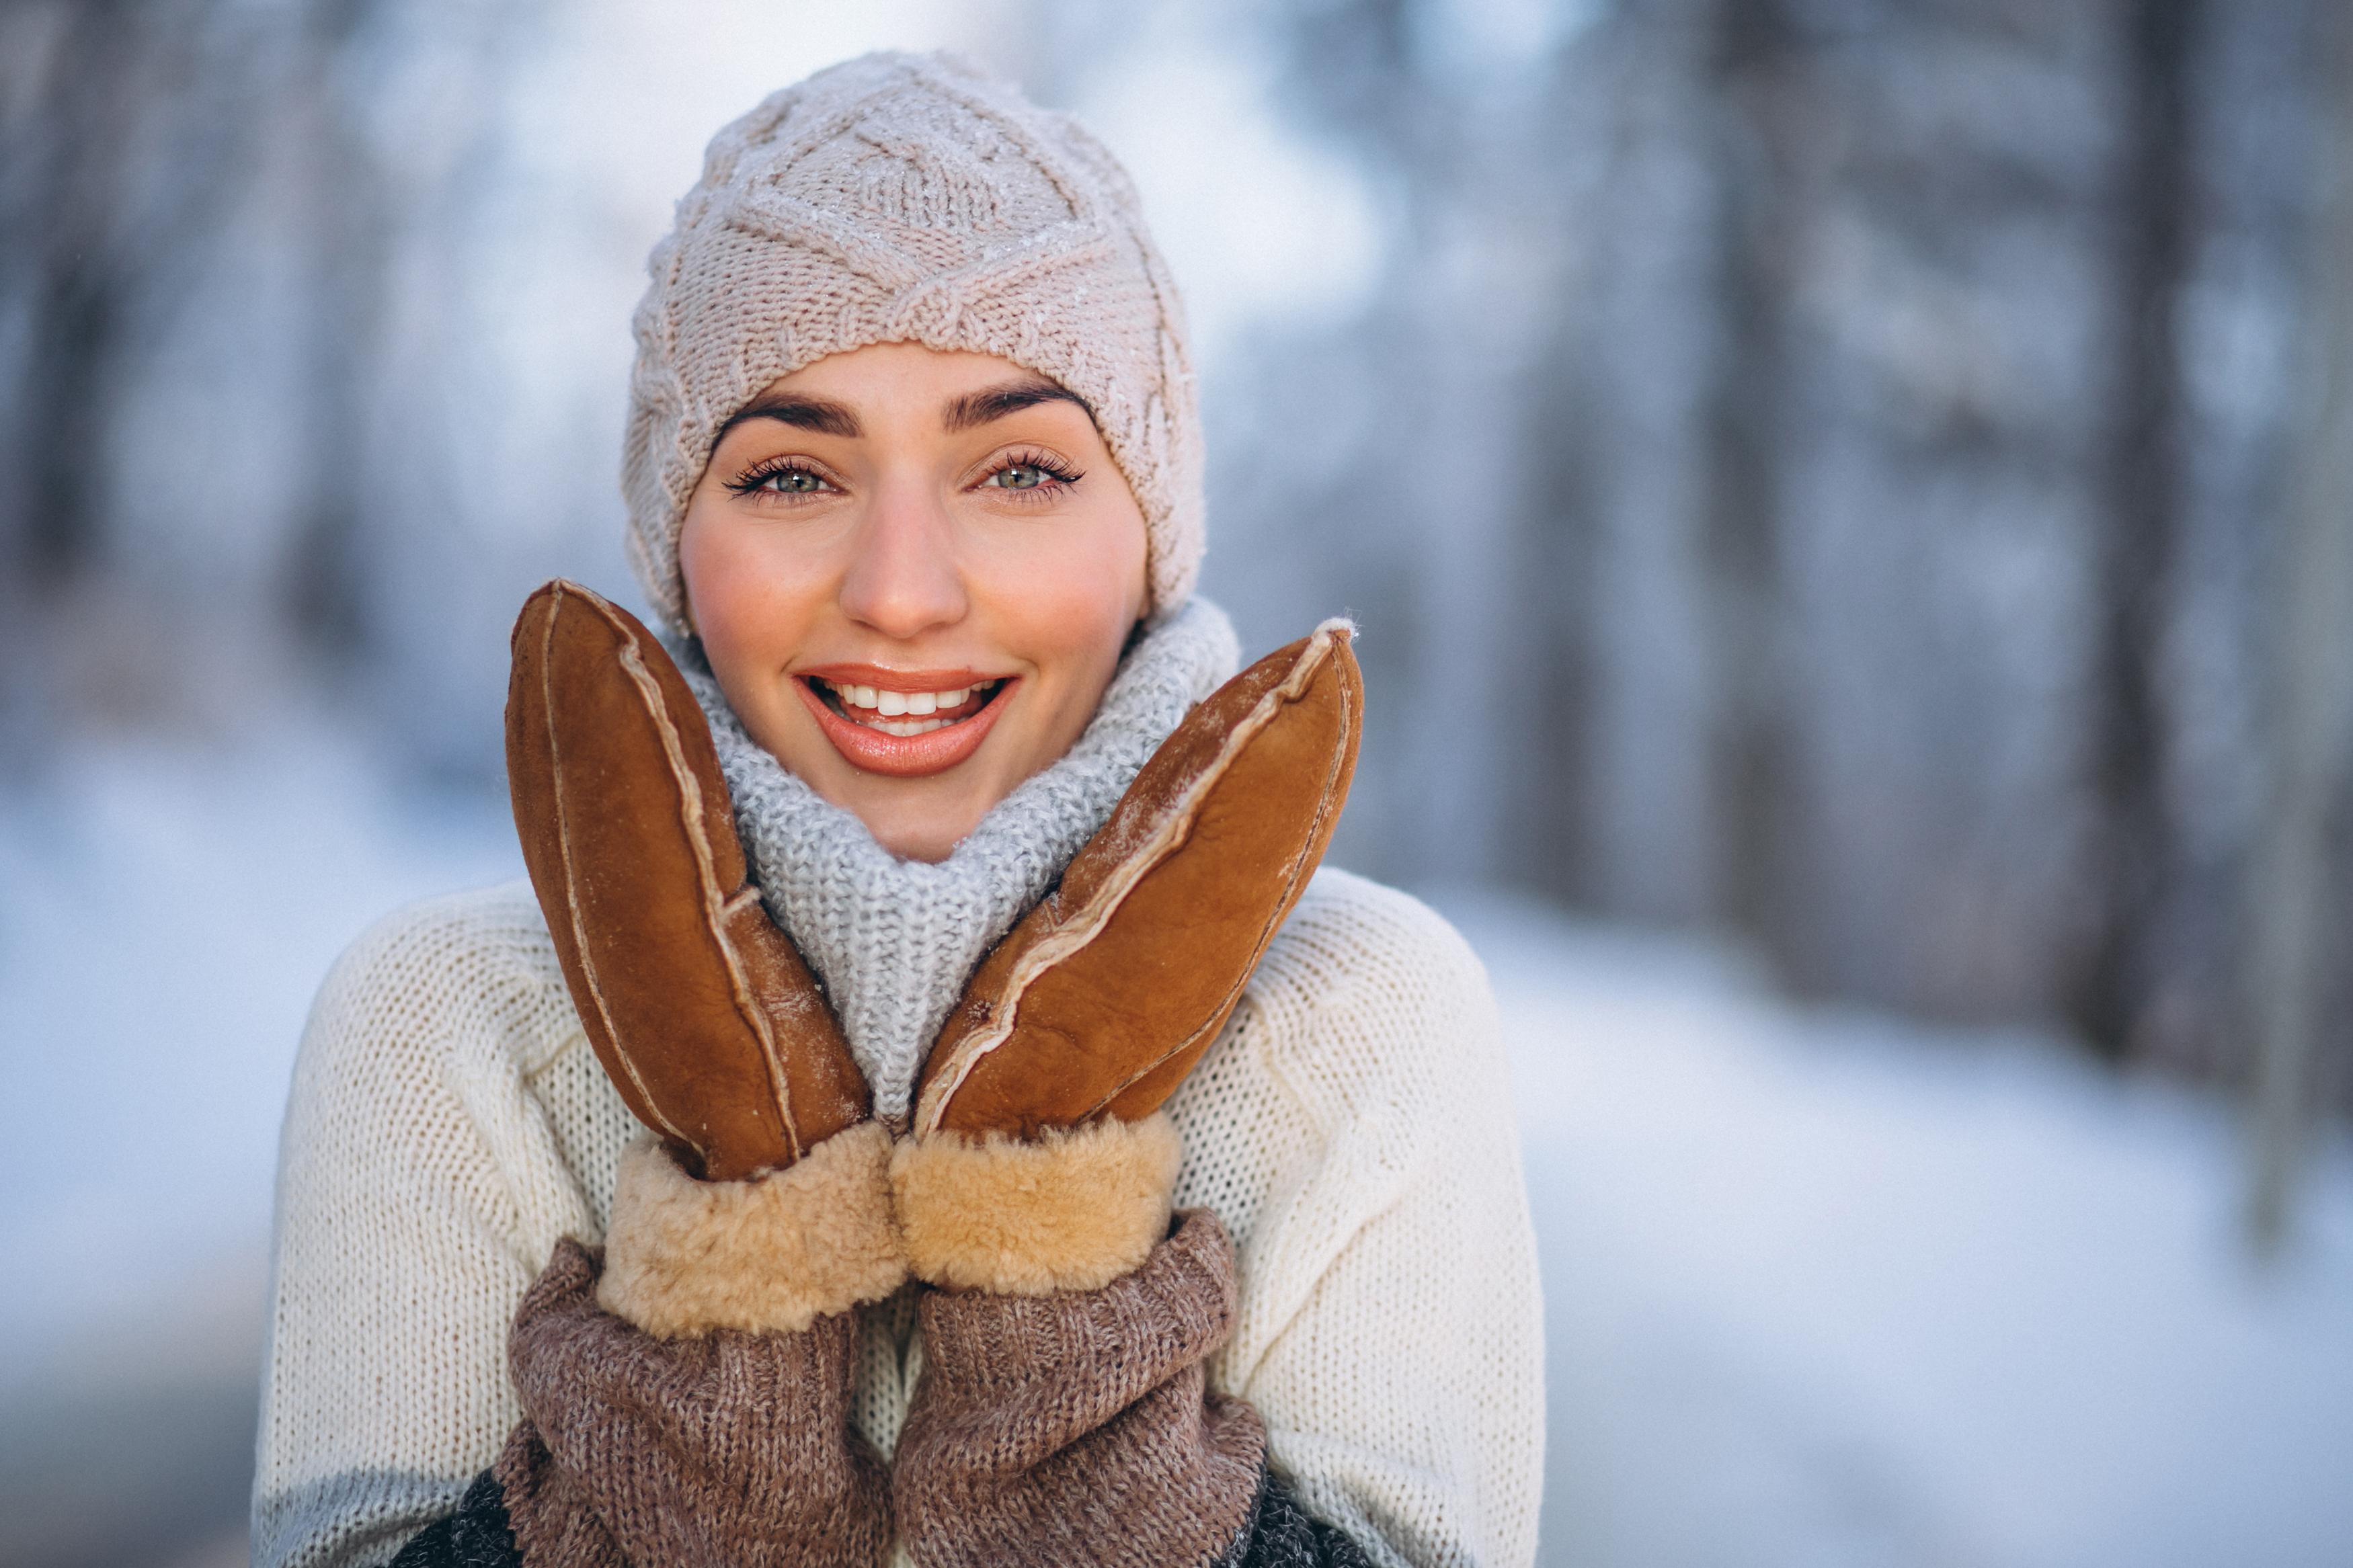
916,725
906,713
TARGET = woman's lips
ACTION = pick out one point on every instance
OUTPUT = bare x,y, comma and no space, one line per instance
907,756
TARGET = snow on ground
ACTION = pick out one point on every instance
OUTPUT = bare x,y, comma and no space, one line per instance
165,914
1824,1288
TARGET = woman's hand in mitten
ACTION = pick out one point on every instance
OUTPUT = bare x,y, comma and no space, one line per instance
1063,1414
686,1396
1039,1161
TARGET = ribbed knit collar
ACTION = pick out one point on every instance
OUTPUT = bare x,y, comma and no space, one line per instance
894,940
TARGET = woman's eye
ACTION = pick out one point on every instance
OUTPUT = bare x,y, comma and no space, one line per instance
1019,477
792,482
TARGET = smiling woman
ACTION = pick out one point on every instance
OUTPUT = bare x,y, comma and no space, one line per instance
927,1105
893,525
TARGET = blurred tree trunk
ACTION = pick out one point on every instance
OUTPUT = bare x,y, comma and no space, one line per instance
351,231
2295,925
1755,60
125,135
68,162
2131,873
127,128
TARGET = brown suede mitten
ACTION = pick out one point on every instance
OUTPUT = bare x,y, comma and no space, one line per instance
1102,999
1063,1414
1076,1427
687,1393
726,1447
702,1012
1040,1161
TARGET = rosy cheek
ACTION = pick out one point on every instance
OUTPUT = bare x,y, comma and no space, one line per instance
1072,611
733,597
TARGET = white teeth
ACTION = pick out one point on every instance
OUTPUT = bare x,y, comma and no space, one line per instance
882,710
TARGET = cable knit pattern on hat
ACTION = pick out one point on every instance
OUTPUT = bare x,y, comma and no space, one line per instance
909,198
893,939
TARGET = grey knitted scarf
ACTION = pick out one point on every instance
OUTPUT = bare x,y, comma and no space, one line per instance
894,940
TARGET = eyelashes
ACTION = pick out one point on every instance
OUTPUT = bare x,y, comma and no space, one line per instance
1051,475
794,479
1044,462
781,477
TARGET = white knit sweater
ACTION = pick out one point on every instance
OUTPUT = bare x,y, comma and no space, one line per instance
448,1122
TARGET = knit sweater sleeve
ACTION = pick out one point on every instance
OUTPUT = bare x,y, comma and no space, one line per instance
419,1191
1389,1330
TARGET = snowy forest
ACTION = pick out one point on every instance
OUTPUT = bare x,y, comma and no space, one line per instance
1867,482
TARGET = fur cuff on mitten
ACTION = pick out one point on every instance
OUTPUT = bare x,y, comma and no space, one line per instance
1073,1210
772,1253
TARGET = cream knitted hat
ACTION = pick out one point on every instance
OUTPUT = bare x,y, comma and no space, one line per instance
909,198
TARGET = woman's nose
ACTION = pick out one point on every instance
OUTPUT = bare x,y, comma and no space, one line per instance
903,579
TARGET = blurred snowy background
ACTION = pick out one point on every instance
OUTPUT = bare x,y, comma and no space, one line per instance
1851,505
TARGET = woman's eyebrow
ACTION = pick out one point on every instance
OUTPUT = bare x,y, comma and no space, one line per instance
804,413
976,408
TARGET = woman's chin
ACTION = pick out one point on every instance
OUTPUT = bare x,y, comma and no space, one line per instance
926,842
916,820
914,816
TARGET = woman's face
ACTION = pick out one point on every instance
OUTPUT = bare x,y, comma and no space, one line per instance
912,573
